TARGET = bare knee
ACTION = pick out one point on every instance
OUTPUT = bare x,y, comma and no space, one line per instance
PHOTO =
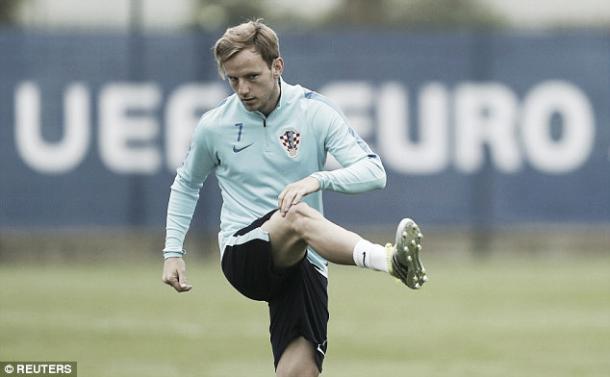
300,217
298,371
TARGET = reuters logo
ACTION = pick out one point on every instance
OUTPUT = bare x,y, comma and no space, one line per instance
36,368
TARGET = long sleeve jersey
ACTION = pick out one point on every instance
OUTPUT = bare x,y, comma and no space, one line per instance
255,156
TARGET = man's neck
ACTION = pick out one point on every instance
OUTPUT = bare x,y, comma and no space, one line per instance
277,99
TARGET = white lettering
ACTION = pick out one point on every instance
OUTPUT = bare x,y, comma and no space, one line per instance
553,129
127,140
485,114
61,156
427,156
184,108
574,146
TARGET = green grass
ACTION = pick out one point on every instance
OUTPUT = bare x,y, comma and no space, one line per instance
504,317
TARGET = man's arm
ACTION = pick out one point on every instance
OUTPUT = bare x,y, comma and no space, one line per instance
181,206
361,170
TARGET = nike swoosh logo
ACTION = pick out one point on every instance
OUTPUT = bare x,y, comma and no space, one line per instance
237,150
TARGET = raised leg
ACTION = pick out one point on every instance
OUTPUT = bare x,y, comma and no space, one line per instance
304,226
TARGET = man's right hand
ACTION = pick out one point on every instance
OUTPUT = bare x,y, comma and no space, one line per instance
174,274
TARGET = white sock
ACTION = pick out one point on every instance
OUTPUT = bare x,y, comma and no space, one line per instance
370,255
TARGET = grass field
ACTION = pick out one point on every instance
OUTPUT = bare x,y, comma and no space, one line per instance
503,317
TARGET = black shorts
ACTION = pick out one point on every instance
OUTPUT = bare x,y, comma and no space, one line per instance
297,296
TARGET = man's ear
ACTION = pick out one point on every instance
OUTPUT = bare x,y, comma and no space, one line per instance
277,67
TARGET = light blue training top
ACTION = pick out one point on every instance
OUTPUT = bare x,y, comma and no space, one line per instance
255,157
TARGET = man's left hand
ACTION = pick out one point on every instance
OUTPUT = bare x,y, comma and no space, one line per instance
294,193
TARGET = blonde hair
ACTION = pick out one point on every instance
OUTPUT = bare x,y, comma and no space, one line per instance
252,34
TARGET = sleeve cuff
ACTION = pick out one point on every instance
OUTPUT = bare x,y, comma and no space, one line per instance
174,254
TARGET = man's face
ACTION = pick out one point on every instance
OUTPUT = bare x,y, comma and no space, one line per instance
253,81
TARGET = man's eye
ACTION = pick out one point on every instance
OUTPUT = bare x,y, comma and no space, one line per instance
252,77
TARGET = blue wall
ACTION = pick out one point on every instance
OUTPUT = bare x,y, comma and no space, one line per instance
488,129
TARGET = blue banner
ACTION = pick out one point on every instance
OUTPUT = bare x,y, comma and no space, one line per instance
484,129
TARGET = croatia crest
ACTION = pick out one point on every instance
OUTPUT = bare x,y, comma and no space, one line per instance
290,140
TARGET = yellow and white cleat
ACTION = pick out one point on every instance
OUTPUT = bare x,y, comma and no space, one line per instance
403,258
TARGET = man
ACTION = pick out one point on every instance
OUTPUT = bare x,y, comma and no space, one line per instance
267,145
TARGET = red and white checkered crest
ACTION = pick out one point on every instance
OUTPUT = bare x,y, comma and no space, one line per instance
290,140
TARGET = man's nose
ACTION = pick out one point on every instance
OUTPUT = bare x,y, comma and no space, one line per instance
242,88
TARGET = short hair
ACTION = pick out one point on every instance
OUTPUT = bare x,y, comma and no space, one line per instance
252,34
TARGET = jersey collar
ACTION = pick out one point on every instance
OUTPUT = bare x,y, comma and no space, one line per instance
284,98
